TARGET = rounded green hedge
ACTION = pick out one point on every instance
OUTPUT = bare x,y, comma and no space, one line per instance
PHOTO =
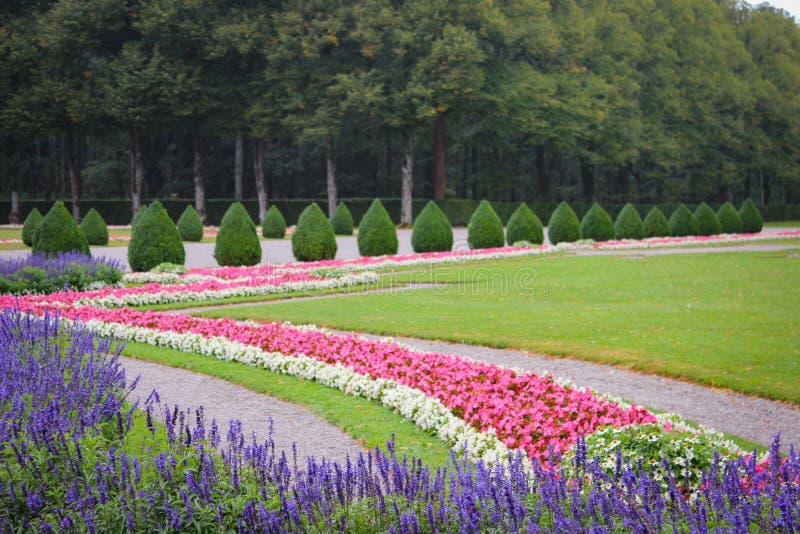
524,225
564,226
597,224
154,240
313,239
29,226
94,228
377,235
190,227
485,229
58,232
655,224
729,219
274,225
629,224
237,240
707,221
138,216
752,223
683,222
342,220
432,231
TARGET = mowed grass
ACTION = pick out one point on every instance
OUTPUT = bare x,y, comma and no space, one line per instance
730,320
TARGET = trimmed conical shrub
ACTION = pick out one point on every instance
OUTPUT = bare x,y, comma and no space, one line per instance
313,239
138,216
485,229
237,240
629,224
154,240
524,225
683,222
377,235
432,231
274,225
729,219
752,223
58,232
564,226
655,224
342,220
190,227
94,228
707,220
597,224
29,226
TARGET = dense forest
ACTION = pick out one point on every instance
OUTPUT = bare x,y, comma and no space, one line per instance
541,100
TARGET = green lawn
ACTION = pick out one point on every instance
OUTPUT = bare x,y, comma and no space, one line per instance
729,320
783,223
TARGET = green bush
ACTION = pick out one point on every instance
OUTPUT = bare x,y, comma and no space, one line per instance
313,239
342,220
524,225
752,223
629,224
154,240
655,224
29,226
564,226
683,222
377,235
432,231
485,229
274,225
190,227
58,232
707,220
237,240
94,228
729,219
597,224
138,216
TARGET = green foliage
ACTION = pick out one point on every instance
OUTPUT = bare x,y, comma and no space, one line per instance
274,225
138,216
524,225
29,226
377,235
58,232
170,268
342,220
752,223
313,239
432,231
564,226
190,227
655,224
237,240
707,221
729,220
597,224
154,240
683,222
485,229
629,224
94,228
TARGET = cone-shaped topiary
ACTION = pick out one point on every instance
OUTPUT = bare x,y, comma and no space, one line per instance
58,232
342,220
377,235
655,224
629,224
683,222
564,225
707,220
752,223
138,216
190,227
597,224
485,229
432,231
274,225
154,240
524,225
94,228
29,226
313,239
237,240
729,219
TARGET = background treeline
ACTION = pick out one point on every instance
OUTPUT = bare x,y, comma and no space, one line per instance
654,102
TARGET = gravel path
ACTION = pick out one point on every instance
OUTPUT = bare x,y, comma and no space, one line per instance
225,401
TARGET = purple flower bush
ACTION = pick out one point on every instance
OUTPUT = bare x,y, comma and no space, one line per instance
74,457
40,273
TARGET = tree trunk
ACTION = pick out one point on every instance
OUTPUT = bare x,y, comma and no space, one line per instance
197,167
238,169
587,177
74,173
137,170
330,173
440,154
407,180
257,155
15,217
542,176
